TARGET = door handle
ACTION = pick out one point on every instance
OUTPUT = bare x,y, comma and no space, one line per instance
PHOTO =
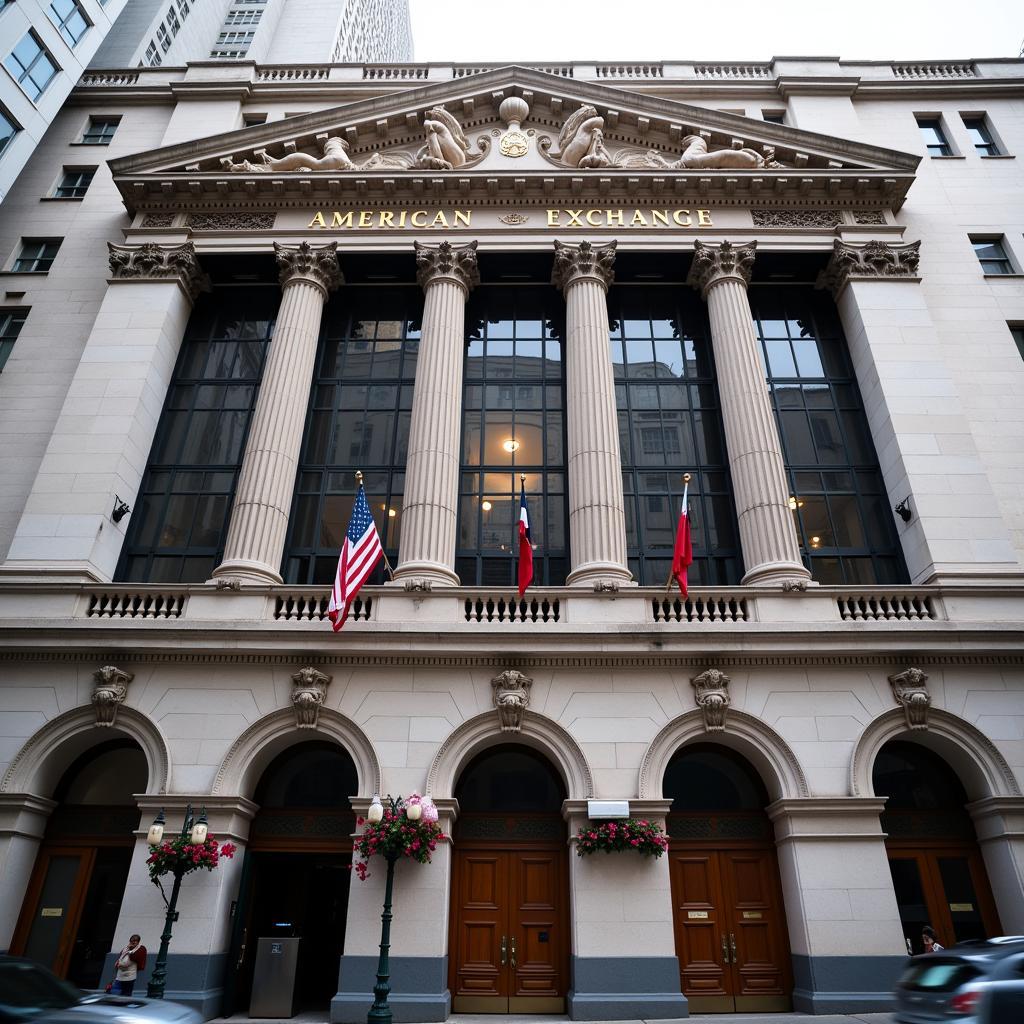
732,946
513,952
504,951
725,950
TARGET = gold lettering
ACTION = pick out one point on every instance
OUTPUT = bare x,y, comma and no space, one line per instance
418,213
317,221
704,219
365,218
440,220
613,217
553,218
574,218
683,222
592,218
337,221
659,216
401,218
464,216
387,219
638,218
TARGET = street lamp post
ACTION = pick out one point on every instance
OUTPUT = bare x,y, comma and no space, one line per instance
196,831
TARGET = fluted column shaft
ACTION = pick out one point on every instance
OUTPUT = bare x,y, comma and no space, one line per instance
597,518
771,551
430,502
263,498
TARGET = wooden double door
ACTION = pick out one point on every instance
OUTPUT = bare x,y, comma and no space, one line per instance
509,947
730,930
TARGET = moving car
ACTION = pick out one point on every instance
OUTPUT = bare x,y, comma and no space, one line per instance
31,993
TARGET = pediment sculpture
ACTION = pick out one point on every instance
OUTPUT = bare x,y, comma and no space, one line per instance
581,140
447,146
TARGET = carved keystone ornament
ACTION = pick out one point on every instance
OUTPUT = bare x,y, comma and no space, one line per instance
309,695
110,689
712,697
511,690
910,688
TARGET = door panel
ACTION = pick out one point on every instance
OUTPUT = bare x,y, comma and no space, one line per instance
700,937
480,925
536,930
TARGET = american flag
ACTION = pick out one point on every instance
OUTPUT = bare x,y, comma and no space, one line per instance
359,555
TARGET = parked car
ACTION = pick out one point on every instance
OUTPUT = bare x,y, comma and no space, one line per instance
31,993
978,982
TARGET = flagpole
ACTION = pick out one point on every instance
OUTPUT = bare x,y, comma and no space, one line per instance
387,564
686,495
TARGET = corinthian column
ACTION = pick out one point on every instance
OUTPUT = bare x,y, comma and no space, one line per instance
597,520
446,274
771,552
259,518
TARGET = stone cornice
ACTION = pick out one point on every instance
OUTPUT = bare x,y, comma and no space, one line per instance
874,260
583,262
727,262
317,265
152,262
447,262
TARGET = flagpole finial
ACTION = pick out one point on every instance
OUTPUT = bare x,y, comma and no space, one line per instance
359,476
686,478
522,478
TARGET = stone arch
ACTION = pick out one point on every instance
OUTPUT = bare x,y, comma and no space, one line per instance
971,754
541,733
38,766
250,754
748,736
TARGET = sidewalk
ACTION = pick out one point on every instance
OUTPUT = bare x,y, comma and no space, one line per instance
703,1018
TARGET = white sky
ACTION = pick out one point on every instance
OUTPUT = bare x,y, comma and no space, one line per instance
524,31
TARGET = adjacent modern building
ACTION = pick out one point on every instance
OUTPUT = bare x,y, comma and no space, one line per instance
797,283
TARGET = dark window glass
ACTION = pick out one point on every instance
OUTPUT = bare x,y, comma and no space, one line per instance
670,423
31,65
75,183
11,323
1018,337
992,255
511,779
312,774
180,519
36,256
8,129
837,496
934,138
359,414
984,144
101,130
773,116
705,778
513,423
915,779
70,18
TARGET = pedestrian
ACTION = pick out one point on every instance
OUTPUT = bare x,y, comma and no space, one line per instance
130,961
931,943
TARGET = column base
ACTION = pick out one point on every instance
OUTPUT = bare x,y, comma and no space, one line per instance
590,573
248,572
419,989
430,572
195,980
772,574
845,984
626,988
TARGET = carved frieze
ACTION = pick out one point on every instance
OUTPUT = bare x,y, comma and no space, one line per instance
886,260
158,220
152,262
305,262
698,154
110,689
869,216
308,695
910,690
796,218
577,262
232,221
711,264
446,261
711,694
511,693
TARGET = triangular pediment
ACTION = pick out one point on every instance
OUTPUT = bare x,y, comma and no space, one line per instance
514,131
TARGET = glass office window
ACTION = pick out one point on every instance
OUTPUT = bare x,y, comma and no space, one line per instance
934,137
992,255
31,65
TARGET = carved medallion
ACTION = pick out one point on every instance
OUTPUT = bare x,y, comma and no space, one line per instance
514,144
514,218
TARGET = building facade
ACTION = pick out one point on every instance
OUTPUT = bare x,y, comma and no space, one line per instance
796,282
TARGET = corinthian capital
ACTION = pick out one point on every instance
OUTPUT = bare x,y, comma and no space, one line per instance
870,260
319,266
447,262
579,262
726,263
152,262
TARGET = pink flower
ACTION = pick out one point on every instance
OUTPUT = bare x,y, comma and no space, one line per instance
634,842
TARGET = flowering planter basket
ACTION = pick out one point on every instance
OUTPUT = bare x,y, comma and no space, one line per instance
181,856
641,836
393,837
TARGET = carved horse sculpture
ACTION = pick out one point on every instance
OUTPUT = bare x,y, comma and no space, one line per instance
581,140
446,146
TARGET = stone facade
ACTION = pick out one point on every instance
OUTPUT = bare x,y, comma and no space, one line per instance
607,680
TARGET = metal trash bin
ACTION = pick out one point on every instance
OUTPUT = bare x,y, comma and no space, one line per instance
273,983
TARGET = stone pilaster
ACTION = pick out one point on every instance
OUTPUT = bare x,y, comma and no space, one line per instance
259,518
771,552
597,519
447,274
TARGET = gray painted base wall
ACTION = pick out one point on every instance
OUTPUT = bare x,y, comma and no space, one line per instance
845,984
195,979
625,987
419,989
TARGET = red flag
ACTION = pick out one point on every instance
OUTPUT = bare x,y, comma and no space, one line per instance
525,545
682,555
360,552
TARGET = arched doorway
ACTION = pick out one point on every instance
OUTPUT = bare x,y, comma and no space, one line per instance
509,938
295,876
728,914
73,900
937,869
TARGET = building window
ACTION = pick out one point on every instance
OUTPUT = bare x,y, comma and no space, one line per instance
180,520
163,38
100,131
243,17
36,256
11,323
173,24
69,17
934,137
840,508
74,183
1018,337
251,120
153,58
31,65
183,7
360,410
992,255
981,136
773,116
8,129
